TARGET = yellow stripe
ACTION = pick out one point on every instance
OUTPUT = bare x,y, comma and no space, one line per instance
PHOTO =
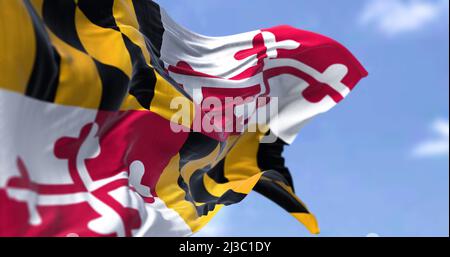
164,95
126,20
241,186
37,4
104,44
309,221
173,196
192,166
241,162
17,46
75,89
124,15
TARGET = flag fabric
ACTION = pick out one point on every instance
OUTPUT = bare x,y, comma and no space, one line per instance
92,144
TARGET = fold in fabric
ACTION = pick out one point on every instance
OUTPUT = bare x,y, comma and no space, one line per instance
89,142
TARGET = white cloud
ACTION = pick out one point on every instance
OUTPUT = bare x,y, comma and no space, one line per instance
439,146
392,17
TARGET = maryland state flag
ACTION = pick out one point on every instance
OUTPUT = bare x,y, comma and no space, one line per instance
111,117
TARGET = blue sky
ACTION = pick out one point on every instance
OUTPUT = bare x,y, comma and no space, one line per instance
378,163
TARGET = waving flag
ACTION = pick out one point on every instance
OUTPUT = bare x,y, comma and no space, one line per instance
93,142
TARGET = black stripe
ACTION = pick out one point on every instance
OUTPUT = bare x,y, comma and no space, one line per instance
201,195
143,81
115,86
270,157
209,203
196,147
279,195
271,161
197,187
158,65
148,15
218,173
230,197
59,17
99,12
203,209
276,176
115,82
44,78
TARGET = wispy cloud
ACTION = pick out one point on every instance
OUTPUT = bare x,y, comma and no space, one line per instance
437,146
393,17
